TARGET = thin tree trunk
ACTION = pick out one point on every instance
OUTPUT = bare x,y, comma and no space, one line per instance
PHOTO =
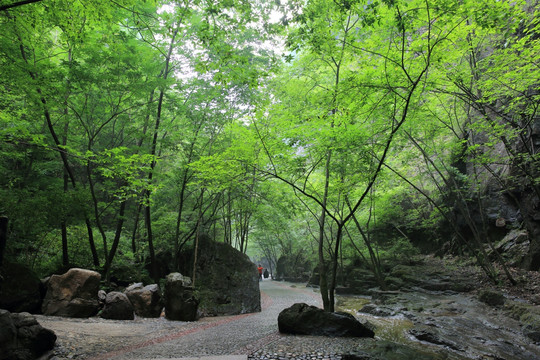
135,229
153,152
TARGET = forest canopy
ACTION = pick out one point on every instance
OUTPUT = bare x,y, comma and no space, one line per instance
339,132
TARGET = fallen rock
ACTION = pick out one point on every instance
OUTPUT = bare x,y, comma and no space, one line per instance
180,300
22,338
117,307
146,300
303,319
376,310
73,294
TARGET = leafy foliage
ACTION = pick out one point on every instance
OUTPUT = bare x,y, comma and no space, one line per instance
278,127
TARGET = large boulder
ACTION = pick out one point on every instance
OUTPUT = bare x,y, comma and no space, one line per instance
73,294
226,279
117,307
180,300
303,319
294,268
20,289
146,300
22,338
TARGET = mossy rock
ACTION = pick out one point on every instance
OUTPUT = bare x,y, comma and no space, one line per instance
226,280
394,283
531,325
528,316
491,297
461,285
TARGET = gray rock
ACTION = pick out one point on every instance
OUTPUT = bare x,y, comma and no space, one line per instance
180,300
117,307
375,310
102,295
433,338
303,319
146,300
73,294
22,338
226,280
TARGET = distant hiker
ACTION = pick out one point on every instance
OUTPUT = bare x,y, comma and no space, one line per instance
266,274
260,269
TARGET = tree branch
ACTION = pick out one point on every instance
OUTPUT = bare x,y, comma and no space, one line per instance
16,4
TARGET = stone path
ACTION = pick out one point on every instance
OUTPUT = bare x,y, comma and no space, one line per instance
229,338
232,335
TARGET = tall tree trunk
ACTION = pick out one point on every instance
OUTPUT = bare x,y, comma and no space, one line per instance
3,237
197,235
335,262
135,229
323,273
95,203
153,152
93,249
59,148
116,240
63,225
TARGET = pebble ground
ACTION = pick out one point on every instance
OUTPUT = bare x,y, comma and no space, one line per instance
253,335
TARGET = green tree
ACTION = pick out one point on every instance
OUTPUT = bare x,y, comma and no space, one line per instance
357,92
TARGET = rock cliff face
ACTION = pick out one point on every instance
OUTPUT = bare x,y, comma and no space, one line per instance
507,195
226,280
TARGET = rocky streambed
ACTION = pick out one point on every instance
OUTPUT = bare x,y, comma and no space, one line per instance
431,311
427,318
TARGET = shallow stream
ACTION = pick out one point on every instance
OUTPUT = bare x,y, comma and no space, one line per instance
440,325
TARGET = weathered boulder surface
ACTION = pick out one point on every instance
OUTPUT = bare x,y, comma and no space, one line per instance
226,279
73,294
146,300
117,307
22,338
293,268
180,300
19,289
512,247
303,319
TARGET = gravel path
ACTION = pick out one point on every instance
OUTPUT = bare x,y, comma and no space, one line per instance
255,335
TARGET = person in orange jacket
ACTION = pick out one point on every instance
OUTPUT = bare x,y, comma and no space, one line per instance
260,269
